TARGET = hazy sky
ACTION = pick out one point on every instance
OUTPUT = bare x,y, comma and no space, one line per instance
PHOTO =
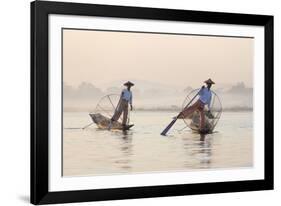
182,60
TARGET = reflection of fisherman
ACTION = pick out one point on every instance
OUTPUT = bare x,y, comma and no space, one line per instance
125,100
205,97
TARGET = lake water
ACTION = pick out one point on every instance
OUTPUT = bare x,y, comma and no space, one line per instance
142,149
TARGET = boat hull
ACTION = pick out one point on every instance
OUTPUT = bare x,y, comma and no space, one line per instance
103,122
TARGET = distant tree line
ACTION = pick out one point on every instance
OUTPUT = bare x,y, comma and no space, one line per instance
87,90
84,91
239,88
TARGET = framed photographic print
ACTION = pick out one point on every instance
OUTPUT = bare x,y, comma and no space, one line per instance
130,102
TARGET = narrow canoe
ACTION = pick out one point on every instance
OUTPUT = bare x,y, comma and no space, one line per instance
104,123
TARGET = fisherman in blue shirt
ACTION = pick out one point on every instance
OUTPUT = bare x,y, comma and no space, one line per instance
124,102
205,97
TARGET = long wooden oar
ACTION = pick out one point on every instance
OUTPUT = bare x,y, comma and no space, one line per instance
164,132
87,125
80,127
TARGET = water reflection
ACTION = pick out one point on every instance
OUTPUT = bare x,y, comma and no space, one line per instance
205,150
125,146
199,147
202,137
143,150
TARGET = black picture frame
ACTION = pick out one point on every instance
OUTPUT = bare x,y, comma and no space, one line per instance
40,97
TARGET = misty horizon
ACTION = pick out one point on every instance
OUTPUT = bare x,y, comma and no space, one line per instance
239,87
153,96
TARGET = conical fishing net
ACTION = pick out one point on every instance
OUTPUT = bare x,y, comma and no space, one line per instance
211,118
107,106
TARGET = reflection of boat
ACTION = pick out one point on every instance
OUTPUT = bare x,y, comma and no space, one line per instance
104,112
104,123
211,118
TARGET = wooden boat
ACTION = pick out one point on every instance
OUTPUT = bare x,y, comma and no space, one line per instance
195,124
211,118
105,123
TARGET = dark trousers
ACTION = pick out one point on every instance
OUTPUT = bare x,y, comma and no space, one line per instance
122,107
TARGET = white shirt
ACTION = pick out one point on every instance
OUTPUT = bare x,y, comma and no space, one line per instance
205,96
127,95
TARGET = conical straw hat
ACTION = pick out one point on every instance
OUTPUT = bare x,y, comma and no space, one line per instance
209,81
128,83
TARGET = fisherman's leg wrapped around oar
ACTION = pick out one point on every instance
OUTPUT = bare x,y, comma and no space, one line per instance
198,105
188,111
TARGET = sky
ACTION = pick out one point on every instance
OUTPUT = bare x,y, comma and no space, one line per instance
102,58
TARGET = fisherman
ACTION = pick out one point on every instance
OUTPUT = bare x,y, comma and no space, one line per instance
122,107
205,97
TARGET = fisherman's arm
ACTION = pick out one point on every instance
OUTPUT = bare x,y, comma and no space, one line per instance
201,90
209,102
131,102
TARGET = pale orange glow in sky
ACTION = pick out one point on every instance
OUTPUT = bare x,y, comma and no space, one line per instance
102,57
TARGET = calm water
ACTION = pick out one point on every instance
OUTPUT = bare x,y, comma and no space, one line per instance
143,149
